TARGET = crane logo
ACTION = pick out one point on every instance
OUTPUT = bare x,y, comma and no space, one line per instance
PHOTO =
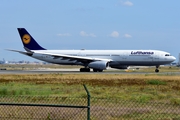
26,39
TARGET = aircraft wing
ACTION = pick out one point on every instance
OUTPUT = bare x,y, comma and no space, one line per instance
71,58
62,56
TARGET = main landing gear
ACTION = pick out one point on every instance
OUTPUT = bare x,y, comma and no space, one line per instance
88,70
157,70
97,70
84,69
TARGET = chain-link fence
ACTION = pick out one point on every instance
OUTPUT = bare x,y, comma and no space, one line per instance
43,107
67,108
116,109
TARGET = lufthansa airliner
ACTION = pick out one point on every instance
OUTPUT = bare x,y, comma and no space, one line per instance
98,60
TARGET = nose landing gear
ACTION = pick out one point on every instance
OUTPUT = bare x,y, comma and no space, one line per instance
157,70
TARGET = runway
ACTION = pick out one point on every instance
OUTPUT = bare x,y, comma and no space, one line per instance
76,71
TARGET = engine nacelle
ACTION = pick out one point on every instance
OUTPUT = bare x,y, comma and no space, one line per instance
101,65
119,67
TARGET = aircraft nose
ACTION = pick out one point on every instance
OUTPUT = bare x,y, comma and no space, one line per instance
173,58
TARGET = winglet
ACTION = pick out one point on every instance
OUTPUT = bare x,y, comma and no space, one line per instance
28,41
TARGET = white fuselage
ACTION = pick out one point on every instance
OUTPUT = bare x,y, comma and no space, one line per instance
116,57
98,60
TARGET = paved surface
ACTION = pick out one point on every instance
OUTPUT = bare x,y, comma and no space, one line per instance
76,71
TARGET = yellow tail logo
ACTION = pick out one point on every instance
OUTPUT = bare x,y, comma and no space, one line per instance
26,39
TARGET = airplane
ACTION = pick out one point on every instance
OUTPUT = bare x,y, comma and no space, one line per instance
98,60
2,61
178,64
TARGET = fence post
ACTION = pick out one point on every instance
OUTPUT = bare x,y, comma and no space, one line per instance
88,102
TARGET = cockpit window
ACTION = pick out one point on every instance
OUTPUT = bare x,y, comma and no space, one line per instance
167,55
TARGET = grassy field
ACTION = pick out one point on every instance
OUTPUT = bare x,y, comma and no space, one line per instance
138,87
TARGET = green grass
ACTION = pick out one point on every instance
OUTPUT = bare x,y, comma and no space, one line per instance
31,89
156,82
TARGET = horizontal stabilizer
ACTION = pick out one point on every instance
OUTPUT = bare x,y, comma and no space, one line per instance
22,52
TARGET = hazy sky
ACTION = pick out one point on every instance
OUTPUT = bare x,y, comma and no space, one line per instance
91,24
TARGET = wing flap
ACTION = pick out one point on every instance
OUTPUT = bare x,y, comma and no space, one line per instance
22,52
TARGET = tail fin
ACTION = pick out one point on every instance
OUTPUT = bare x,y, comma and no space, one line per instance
28,41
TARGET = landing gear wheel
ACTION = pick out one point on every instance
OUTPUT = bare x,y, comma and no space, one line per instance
97,70
156,70
84,69
88,70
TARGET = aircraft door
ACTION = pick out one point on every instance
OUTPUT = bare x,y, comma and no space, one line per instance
81,53
124,56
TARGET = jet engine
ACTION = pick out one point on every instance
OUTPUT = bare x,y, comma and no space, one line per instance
100,65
